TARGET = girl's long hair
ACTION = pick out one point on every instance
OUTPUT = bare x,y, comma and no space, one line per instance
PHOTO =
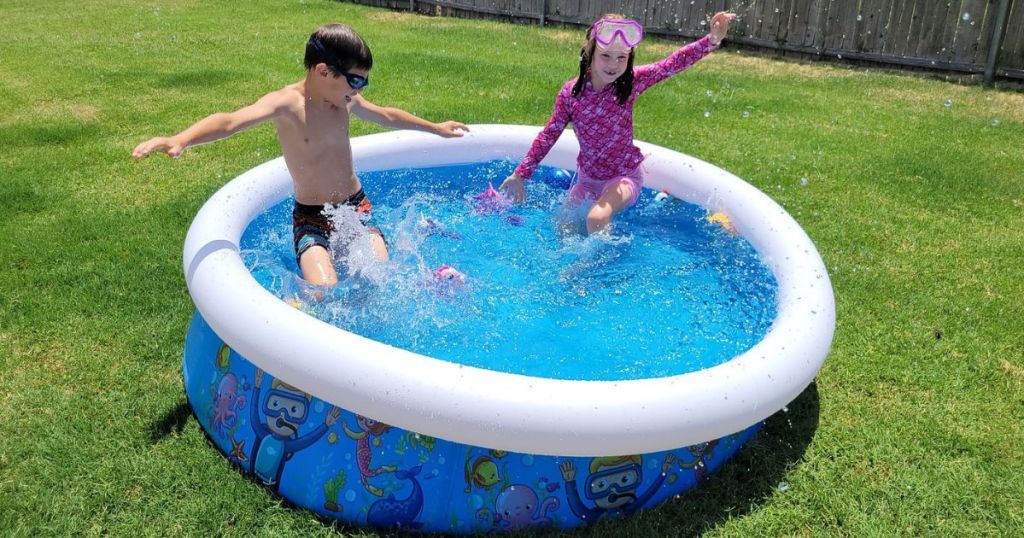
623,84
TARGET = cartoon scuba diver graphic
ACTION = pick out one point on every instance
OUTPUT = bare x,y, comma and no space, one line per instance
612,486
701,453
277,438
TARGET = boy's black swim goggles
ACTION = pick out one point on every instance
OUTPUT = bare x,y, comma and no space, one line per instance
357,82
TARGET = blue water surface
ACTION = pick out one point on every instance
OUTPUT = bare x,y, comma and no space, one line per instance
664,293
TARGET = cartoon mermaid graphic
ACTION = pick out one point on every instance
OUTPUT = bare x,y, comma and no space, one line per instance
368,429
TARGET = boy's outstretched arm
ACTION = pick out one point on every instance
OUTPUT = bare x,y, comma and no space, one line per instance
396,118
215,127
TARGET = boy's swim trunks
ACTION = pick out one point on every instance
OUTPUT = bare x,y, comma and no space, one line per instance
312,227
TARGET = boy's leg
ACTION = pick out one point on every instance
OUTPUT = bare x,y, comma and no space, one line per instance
608,205
380,248
318,267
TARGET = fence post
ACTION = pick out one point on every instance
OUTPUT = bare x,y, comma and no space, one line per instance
412,5
543,10
997,41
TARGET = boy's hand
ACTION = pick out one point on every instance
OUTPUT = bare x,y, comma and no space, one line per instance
162,144
720,25
451,129
514,185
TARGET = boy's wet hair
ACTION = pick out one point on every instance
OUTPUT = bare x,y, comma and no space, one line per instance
338,46
623,84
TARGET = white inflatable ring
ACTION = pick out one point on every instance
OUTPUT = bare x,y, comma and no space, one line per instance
506,411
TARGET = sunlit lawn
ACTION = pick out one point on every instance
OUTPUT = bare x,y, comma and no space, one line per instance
914,425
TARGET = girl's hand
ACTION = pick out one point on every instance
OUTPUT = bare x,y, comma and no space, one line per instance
720,26
161,144
514,185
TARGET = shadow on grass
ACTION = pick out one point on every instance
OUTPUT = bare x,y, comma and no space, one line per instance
750,478
173,422
739,487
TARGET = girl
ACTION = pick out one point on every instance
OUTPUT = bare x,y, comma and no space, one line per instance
599,103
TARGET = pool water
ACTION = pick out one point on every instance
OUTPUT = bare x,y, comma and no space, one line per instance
663,293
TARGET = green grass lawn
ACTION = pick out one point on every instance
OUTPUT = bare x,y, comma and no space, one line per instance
913,427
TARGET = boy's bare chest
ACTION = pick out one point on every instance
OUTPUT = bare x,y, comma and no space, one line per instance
318,132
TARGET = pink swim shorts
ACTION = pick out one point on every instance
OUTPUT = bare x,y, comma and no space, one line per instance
588,188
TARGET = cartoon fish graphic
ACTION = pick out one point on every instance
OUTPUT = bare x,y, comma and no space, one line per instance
483,473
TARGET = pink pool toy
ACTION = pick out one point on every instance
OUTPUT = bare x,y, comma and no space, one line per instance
447,273
490,202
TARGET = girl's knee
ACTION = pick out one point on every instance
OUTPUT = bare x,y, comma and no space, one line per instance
598,218
599,212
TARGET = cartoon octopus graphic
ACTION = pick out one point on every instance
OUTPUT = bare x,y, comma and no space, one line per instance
518,506
368,429
226,402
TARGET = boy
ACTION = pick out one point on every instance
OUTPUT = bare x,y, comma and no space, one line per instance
312,121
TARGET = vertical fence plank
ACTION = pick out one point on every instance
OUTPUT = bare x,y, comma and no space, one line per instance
933,18
761,10
949,29
840,25
905,41
897,26
817,16
1012,53
796,25
747,14
770,22
876,25
969,32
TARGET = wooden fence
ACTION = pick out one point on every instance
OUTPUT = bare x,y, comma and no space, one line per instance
969,36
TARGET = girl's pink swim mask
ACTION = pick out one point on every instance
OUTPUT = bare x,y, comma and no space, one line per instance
628,31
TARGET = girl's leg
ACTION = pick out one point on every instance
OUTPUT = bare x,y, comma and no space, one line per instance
614,200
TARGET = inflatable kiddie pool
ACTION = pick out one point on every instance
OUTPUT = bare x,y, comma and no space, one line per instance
358,430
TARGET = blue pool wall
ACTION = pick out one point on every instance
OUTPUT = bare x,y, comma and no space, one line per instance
343,466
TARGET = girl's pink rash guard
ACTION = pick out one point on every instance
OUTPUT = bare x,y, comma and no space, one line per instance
603,126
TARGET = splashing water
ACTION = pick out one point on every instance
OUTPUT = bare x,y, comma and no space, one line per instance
663,293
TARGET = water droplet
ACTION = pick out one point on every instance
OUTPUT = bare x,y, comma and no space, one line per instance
966,17
783,487
995,123
746,114
948,103
840,56
859,18
708,92
707,114
803,181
